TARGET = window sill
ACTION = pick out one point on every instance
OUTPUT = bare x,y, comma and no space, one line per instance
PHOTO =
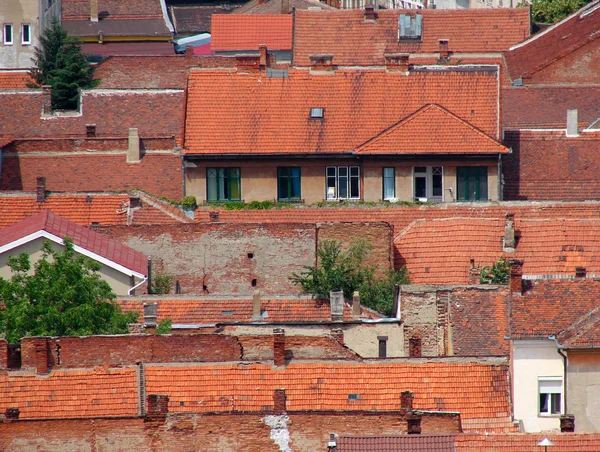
546,416
291,201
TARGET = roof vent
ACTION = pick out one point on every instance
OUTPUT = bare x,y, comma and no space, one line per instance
370,12
397,62
580,272
321,62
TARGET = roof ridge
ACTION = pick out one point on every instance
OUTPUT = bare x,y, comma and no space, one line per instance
160,205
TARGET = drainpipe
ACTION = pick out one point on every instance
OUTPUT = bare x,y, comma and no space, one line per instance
564,357
136,286
500,185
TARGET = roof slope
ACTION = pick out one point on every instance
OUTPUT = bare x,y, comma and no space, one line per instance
527,442
14,79
480,392
194,19
237,113
584,332
247,32
551,306
555,42
81,236
409,443
353,41
432,130
280,6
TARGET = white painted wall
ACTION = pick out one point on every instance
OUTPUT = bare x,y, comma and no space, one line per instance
533,358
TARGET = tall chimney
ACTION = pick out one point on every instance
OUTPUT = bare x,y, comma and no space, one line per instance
262,50
413,424
572,130
133,151
189,52
356,305
278,347
509,233
444,48
41,355
256,314
567,423
46,100
336,303
40,189
93,10
279,401
516,276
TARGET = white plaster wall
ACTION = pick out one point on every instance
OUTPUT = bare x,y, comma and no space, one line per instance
18,12
534,358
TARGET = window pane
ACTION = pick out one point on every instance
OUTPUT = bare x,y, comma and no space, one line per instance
211,184
544,399
420,187
331,192
354,183
342,182
555,403
26,38
483,184
389,183
420,169
295,183
221,183
234,190
282,183
436,183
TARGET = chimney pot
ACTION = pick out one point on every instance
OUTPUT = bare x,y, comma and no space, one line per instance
133,151
356,305
572,123
279,347
90,130
336,303
256,314
397,62
279,401
40,190
93,10
516,276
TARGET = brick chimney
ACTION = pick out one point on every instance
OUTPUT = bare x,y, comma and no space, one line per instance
133,150
279,401
264,58
93,10
46,100
413,422
279,347
3,355
247,63
41,355
321,62
406,400
336,304
256,313
189,52
516,276
474,273
397,62
509,243
90,130
370,12
572,124
12,414
356,305
157,406
444,53
338,335
567,423
40,189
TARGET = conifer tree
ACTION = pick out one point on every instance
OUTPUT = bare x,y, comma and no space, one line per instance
60,63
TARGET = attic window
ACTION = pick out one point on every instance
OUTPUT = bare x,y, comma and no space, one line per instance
317,113
134,202
410,27
353,396
226,312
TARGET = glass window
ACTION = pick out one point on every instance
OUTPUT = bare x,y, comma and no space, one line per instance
223,184
550,394
342,182
317,112
472,183
389,183
429,183
288,183
8,34
25,34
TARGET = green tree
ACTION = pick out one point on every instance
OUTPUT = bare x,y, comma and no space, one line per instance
63,296
551,11
59,63
338,269
498,273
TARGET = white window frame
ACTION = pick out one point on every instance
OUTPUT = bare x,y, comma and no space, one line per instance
332,191
317,113
8,40
393,180
549,386
428,175
23,41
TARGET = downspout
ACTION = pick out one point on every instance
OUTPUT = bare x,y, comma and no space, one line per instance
500,179
136,286
565,360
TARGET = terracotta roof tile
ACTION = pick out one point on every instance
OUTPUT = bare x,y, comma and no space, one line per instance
81,236
196,19
14,79
353,41
480,392
71,393
113,9
247,32
409,443
222,106
554,43
584,332
279,6
432,130
527,442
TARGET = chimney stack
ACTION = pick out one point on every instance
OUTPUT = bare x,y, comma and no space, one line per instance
285,6
247,63
370,11
279,401
406,400
157,406
90,130
150,315
336,303
93,10
40,189
133,151
509,233
189,52
46,100
256,313
41,355
516,276
444,53
321,62
262,50
567,423
413,424
278,347
397,62
356,305
572,124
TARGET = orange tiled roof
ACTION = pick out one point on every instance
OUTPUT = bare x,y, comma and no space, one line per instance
527,442
71,393
14,79
353,41
247,32
554,43
432,130
211,310
116,9
584,332
480,392
222,110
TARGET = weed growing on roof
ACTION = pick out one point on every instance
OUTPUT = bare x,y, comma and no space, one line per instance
498,273
162,282
346,270
165,326
188,203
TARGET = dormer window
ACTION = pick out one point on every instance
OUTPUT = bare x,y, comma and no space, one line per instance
410,27
317,113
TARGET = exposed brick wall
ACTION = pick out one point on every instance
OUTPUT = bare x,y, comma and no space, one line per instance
425,318
71,352
379,235
217,255
3,355
551,166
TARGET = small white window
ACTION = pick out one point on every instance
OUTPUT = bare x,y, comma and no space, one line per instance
8,34
317,113
550,395
25,34
342,182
